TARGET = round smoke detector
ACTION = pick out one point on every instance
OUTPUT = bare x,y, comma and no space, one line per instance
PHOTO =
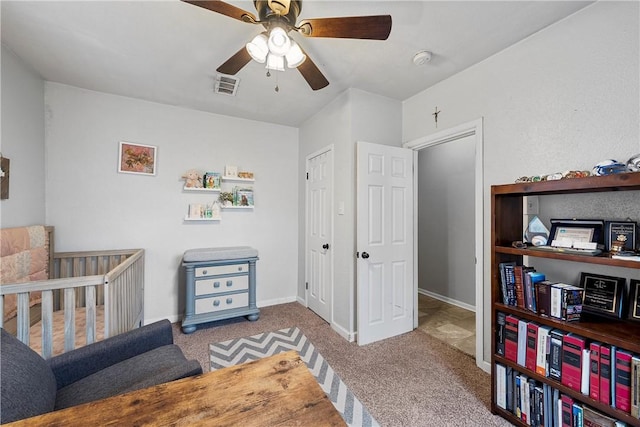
422,57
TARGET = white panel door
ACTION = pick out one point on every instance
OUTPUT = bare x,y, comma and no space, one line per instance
385,290
319,268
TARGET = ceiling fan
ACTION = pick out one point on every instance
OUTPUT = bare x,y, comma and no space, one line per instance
278,17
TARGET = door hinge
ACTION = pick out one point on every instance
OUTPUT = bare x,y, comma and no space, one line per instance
307,176
306,285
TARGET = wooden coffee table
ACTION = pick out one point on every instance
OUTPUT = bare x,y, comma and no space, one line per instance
274,391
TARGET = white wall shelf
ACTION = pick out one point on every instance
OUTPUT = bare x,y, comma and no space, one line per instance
237,207
201,190
235,179
186,218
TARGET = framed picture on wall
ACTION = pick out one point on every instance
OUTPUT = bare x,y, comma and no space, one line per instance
137,158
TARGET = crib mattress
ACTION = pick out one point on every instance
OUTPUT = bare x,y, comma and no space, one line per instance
35,332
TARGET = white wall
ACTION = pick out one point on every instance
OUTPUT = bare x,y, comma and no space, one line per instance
565,98
93,206
22,142
353,116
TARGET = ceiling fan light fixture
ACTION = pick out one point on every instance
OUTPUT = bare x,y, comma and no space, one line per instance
275,62
279,42
258,48
295,57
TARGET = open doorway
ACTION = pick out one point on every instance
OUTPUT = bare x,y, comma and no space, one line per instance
449,236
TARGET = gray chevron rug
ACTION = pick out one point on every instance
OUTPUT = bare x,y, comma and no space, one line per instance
241,350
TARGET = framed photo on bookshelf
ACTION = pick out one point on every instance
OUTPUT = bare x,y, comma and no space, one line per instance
634,293
603,295
137,158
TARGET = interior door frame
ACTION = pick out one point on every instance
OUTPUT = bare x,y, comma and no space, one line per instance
473,128
326,149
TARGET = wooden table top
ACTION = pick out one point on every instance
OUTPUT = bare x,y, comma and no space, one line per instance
274,391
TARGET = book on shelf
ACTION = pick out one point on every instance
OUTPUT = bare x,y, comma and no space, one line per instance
542,354
539,411
524,399
593,418
548,411
605,374
517,271
635,386
510,387
612,378
543,297
556,336
567,410
507,282
572,346
511,338
501,386
522,342
623,380
594,370
517,393
530,280
531,356
556,407
500,330
577,414
586,371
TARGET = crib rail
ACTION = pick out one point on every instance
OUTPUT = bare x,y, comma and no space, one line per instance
83,279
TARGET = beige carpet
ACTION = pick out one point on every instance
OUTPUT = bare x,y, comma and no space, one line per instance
410,380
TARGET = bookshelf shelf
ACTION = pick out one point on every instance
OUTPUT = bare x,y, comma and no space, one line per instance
507,213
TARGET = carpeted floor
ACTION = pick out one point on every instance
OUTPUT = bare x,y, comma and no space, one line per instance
409,380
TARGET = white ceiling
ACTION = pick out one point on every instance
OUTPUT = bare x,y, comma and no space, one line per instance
168,51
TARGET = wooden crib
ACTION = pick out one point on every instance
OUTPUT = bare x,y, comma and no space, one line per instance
89,296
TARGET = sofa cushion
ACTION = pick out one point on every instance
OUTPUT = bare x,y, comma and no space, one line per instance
160,365
28,385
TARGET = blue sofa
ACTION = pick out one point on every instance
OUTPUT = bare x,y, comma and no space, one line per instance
143,357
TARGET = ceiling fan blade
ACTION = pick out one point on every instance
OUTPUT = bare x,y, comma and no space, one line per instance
224,9
312,74
235,63
375,27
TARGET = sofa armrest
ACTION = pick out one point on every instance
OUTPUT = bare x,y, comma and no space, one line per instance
73,365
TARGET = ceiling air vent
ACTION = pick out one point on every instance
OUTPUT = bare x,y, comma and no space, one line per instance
226,85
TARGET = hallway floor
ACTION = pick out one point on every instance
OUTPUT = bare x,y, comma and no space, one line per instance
449,323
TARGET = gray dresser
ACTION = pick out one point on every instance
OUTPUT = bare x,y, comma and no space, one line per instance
220,284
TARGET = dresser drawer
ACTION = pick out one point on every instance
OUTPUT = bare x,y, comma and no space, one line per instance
226,302
222,284
215,270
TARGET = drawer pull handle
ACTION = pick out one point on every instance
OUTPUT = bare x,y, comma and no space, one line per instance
229,300
229,283
216,303
216,284
204,272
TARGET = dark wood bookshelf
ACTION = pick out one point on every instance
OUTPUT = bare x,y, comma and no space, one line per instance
506,219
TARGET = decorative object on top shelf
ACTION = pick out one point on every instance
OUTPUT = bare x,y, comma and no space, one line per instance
633,164
604,295
231,171
245,175
137,158
193,179
608,167
212,180
554,176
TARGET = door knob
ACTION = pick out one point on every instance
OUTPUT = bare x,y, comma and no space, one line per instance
325,246
365,255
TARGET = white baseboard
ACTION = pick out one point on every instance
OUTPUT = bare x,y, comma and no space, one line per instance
448,300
